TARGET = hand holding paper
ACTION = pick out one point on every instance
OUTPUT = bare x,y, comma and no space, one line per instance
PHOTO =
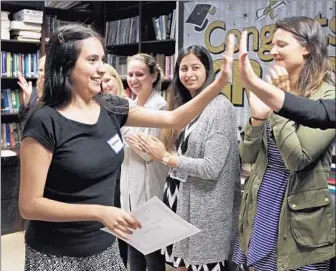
160,227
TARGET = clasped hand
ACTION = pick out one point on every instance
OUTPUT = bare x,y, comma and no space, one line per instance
148,144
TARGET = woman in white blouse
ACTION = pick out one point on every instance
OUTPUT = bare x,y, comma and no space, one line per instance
141,177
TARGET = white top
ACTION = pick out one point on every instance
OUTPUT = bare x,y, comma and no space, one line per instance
141,178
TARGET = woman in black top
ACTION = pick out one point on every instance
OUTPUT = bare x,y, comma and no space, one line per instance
72,150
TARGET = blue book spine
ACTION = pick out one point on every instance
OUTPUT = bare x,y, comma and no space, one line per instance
5,101
7,135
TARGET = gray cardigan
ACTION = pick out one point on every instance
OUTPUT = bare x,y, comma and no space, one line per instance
210,197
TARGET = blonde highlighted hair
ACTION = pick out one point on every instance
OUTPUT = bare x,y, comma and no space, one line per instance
115,74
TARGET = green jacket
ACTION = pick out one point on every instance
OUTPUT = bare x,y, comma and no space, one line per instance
307,224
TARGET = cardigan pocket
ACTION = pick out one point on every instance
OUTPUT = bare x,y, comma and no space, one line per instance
311,218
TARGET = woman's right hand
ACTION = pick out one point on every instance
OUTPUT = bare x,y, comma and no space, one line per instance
119,222
26,87
247,74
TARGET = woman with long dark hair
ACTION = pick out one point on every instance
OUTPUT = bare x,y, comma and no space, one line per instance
71,153
203,185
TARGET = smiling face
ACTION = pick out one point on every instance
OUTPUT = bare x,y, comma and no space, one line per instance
109,84
192,73
138,77
87,74
287,51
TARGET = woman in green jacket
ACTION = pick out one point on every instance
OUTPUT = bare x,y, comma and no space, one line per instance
286,220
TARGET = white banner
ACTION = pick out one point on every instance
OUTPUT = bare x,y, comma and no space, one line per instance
207,23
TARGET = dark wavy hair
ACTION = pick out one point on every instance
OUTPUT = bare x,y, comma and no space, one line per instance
64,48
178,94
316,68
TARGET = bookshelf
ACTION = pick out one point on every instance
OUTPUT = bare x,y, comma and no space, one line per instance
120,46
23,55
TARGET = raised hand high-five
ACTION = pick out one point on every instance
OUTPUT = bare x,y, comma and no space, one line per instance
270,93
247,74
225,72
259,110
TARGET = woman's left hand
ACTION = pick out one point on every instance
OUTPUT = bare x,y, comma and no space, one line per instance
152,146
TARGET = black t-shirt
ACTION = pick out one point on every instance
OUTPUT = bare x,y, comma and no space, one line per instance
84,167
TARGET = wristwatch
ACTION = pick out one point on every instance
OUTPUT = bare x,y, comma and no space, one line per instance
166,157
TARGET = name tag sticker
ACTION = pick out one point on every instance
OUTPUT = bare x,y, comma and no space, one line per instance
115,143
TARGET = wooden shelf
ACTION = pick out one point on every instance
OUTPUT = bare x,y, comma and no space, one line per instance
9,114
70,14
11,42
16,149
16,78
15,6
151,42
9,117
166,47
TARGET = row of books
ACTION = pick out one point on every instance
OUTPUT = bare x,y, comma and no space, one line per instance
26,26
165,62
10,135
165,26
13,63
52,24
74,5
11,99
123,31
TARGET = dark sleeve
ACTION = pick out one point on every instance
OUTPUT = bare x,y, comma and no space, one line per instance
116,107
311,113
41,127
23,112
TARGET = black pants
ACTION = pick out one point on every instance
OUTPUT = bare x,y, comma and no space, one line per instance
139,262
122,245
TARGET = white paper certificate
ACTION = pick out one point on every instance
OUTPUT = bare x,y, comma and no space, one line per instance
160,227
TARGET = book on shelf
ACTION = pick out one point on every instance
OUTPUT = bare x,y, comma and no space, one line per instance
29,16
10,135
5,25
5,35
52,23
12,63
4,16
26,26
123,31
11,99
15,34
164,26
20,25
73,5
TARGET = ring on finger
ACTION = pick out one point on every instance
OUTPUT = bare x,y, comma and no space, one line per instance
275,81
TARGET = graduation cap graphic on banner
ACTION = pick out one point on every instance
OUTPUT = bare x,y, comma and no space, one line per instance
198,16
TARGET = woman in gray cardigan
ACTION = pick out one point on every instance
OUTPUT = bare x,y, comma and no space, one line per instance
203,185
